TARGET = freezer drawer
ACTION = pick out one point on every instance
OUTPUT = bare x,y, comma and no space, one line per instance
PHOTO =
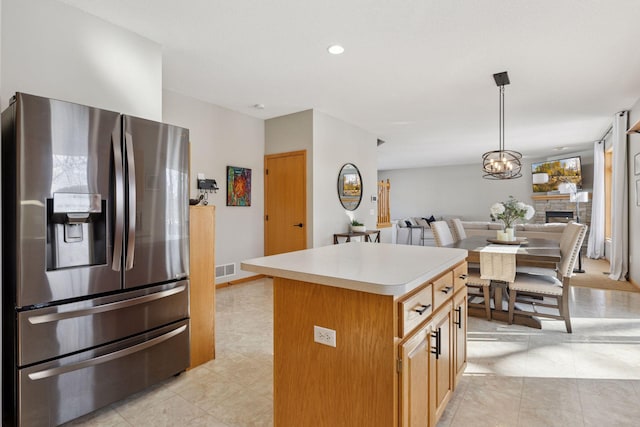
55,331
55,392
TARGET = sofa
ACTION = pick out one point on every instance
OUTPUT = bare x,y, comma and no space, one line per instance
416,231
552,230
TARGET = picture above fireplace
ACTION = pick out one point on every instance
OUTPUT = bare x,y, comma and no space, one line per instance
560,171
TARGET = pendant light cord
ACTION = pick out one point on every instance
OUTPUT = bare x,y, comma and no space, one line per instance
501,117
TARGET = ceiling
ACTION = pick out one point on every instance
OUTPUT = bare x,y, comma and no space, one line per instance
415,73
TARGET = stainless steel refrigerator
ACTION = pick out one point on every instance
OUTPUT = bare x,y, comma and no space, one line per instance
95,258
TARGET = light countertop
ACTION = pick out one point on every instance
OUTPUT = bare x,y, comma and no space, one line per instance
378,268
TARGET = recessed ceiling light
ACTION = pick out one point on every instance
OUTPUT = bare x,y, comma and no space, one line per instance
335,49
561,148
258,106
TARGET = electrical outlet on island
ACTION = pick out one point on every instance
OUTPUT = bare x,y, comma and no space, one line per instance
324,336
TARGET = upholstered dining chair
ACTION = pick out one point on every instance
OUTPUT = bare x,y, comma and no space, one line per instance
538,290
441,233
476,287
458,229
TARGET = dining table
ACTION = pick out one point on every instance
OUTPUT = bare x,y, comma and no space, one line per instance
531,252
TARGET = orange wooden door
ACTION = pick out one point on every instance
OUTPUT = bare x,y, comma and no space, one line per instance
285,204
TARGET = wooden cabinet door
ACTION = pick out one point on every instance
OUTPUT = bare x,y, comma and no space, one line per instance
415,378
460,334
442,340
202,278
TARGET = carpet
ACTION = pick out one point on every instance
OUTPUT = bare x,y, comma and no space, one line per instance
595,277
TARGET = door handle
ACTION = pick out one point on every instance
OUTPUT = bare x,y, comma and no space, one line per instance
422,309
299,225
131,233
436,349
447,289
459,322
119,202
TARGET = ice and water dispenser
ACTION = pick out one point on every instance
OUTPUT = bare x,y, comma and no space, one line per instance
77,231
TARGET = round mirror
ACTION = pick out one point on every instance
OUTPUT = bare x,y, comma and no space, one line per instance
350,187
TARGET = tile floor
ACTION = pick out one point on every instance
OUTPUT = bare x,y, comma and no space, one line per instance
516,376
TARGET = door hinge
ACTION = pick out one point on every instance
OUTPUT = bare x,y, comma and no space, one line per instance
399,366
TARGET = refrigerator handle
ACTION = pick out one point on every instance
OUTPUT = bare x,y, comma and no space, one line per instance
113,306
52,372
116,264
131,233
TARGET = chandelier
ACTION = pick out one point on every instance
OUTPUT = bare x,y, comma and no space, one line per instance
501,163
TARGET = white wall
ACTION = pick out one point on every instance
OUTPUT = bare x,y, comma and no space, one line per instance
221,138
451,190
330,143
54,50
294,132
461,190
634,208
334,144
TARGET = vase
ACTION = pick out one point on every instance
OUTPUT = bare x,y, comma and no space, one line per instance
510,234
358,228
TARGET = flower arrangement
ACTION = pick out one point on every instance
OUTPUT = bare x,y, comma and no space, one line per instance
356,223
511,211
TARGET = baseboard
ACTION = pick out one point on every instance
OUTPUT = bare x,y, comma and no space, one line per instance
238,281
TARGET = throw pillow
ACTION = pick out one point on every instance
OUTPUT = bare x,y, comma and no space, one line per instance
422,222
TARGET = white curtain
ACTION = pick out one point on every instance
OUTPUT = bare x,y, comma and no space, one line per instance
620,200
595,245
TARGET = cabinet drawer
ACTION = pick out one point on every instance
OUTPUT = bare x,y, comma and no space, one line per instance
459,278
414,310
442,289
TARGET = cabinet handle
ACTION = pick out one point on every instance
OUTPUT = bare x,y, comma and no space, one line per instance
439,341
447,289
463,276
459,322
422,309
435,350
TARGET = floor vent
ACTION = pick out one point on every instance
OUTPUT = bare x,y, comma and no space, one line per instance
225,270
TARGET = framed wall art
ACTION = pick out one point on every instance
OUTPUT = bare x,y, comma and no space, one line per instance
238,186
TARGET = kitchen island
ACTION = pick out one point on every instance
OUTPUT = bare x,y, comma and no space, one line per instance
366,334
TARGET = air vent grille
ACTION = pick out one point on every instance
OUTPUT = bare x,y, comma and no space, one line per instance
225,270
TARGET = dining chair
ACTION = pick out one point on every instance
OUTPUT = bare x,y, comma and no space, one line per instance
442,233
476,286
536,290
458,229
542,270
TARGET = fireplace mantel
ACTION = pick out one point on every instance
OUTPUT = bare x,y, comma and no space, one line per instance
552,196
